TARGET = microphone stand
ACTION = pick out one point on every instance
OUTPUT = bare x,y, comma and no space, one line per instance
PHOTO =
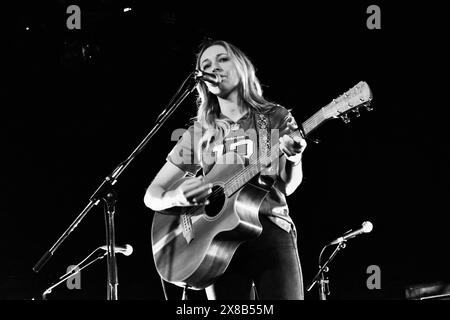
112,281
106,193
324,282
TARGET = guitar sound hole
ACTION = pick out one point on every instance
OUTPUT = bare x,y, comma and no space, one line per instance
216,201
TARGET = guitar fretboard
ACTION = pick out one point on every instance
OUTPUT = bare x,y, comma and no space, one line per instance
313,122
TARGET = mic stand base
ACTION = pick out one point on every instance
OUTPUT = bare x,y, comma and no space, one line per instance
109,202
324,288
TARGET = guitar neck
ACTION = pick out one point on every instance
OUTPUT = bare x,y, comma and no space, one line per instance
314,121
359,95
253,169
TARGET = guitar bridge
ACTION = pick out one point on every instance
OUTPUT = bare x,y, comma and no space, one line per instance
186,224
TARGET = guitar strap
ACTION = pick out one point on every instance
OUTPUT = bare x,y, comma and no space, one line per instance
264,143
262,125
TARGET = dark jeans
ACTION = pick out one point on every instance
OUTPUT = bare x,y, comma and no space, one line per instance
270,261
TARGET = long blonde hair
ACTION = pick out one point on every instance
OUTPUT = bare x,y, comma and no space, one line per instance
249,88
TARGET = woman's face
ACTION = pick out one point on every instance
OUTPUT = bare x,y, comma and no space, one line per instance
215,59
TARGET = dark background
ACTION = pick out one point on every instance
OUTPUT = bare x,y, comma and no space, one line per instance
75,103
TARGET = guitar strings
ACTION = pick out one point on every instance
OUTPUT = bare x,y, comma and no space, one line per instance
241,173
308,125
312,122
252,165
227,184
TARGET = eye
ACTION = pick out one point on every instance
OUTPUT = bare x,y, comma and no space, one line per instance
206,66
223,59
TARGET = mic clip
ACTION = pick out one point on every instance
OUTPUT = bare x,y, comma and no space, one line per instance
198,75
212,78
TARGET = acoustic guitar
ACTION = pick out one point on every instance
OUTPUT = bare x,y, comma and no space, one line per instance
195,246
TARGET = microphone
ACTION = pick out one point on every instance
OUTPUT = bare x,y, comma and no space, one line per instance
367,226
127,250
212,78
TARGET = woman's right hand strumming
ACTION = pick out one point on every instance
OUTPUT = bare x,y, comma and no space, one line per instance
164,192
191,192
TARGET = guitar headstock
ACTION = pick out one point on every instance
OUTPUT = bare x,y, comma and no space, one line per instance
351,101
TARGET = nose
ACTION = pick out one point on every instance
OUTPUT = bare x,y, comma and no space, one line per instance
216,67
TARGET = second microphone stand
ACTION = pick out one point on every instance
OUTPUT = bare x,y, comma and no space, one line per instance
321,278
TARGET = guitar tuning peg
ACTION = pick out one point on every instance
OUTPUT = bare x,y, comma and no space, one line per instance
345,118
356,112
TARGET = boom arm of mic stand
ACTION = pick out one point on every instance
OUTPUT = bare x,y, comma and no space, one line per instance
111,179
48,254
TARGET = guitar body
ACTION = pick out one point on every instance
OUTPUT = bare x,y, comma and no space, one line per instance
217,230
193,246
